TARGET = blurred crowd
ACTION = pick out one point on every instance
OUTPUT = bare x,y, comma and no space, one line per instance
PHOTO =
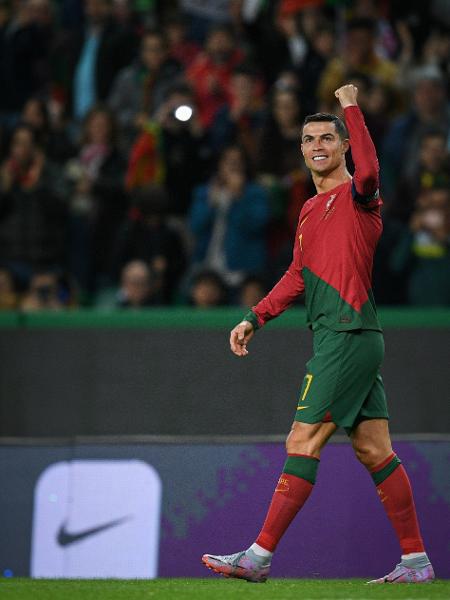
150,150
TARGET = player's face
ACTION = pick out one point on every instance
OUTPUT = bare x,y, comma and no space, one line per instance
322,148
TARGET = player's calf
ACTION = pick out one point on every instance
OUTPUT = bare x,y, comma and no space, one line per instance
293,488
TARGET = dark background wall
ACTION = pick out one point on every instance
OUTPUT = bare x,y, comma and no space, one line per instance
157,379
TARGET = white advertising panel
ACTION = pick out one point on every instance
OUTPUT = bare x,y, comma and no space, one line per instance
96,518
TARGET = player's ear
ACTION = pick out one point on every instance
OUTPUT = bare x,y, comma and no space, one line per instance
345,146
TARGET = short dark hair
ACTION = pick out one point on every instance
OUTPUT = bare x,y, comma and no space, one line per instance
329,118
220,28
365,23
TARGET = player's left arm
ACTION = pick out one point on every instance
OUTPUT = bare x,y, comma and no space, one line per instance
366,176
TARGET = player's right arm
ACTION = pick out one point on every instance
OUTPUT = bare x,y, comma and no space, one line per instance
280,297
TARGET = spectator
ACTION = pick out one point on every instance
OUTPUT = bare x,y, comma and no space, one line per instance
180,105
43,293
376,102
228,220
55,141
281,168
300,24
424,250
181,49
32,210
437,50
386,45
279,146
241,122
147,236
202,15
184,145
98,201
281,32
253,289
320,51
287,23
378,112
429,110
432,170
8,294
95,53
208,290
139,288
140,89
210,74
359,56
24,44
433,54
125,16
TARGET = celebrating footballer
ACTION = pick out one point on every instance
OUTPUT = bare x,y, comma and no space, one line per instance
338,230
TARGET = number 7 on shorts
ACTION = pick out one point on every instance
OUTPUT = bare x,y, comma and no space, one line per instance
308,378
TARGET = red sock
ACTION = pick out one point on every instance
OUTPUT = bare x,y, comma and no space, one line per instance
396,496
290,495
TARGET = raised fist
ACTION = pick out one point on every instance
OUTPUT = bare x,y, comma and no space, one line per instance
347,95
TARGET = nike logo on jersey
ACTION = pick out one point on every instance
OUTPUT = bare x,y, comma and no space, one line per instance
302,407
66,538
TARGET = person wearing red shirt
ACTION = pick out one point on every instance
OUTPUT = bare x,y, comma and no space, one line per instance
210,73
336,237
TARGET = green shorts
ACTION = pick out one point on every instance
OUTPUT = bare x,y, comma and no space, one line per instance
342,382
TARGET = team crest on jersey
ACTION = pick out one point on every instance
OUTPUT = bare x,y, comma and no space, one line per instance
329,208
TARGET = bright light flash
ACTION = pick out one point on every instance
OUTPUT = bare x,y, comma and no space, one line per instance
183,113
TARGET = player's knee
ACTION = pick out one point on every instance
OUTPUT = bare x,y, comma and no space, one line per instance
299,442
369,455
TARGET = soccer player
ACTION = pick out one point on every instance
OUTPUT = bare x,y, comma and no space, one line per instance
337,233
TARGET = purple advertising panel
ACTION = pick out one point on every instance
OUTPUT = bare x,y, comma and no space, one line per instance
153,509
342,531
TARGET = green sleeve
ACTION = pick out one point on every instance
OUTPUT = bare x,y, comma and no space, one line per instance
252,318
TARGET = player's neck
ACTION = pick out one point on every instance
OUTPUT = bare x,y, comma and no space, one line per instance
325,182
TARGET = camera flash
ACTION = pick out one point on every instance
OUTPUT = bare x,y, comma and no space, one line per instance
183,113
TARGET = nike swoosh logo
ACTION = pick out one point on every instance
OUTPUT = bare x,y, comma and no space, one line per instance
66,538
302,407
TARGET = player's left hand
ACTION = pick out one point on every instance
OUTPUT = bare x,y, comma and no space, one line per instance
347,95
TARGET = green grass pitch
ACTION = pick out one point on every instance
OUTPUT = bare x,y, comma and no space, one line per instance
210,589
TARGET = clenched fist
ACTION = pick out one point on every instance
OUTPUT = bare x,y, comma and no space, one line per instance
347,95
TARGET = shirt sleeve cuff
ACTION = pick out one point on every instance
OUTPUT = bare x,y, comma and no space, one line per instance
253,319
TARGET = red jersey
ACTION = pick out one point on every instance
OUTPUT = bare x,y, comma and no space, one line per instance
336,237
212,84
